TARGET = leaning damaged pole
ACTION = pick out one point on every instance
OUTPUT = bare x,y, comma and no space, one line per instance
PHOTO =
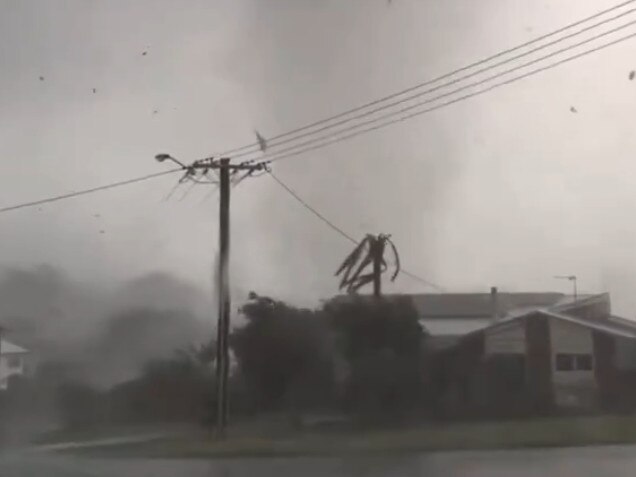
369,252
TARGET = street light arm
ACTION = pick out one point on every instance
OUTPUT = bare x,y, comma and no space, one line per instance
163,157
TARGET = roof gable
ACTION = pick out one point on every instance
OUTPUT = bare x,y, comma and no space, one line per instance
623,328
6,347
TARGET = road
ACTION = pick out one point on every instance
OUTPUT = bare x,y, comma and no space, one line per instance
589,462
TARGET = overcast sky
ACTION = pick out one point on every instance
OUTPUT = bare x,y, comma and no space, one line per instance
507,189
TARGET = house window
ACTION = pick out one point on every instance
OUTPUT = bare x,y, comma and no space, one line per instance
583,362
564,362
14,362
573,362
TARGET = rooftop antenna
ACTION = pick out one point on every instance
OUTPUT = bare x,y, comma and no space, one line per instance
571,278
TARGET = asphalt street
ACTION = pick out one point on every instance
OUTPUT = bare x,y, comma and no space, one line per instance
618,461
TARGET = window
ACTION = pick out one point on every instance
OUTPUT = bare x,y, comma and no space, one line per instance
583,362
564,362
14,362
573,362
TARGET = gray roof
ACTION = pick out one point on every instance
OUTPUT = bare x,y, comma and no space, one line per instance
479,305
6,347
454,327
616,327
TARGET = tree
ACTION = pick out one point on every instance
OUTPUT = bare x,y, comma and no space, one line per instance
131,338
283,353
382,342
79,405
369,252
179,388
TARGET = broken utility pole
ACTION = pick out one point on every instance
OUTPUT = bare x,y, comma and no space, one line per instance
355,263
223,324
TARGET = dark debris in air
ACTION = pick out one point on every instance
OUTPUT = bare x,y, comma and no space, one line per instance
262,142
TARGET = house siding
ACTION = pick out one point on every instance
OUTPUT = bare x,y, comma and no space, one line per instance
573,388
539,363
9,368
509,339
605,369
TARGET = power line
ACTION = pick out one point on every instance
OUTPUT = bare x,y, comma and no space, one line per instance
85,191
300,149
273,144
312,210
337,229
317,143
432,81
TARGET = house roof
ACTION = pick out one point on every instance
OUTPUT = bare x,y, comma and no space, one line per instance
479,305
580,301
454,327
6,347
623,328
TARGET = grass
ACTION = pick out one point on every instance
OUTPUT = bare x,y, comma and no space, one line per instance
58,436
546,432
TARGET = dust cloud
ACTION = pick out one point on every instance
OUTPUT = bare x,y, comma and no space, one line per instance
101,335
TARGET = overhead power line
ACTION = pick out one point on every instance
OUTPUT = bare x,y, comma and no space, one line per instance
85,191
312,210
327,140
334,125
324,141
255,145
338,230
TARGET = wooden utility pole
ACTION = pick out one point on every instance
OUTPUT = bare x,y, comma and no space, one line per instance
223,322
377,269
368,252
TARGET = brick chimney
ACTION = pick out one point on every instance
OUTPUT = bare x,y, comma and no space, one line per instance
494,304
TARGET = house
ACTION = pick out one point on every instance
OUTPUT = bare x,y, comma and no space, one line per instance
14,361
446,317
515,353
570,355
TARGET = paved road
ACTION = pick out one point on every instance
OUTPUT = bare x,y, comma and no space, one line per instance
590,462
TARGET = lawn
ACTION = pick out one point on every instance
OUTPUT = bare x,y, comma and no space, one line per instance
545,432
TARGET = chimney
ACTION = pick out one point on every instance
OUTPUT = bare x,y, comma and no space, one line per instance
494,304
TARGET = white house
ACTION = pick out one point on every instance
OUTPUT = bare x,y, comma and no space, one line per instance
13,361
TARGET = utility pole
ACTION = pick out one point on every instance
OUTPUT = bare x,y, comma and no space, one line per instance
370,251
223,322
377,251
223,326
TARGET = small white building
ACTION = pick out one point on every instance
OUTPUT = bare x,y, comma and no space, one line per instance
13,362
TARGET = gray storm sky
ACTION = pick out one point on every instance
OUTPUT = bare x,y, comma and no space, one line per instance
506,189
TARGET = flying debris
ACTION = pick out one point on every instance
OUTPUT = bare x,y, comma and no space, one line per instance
573,109
41,78
94,90
262,143
632,75
144,53
155,111
101,232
